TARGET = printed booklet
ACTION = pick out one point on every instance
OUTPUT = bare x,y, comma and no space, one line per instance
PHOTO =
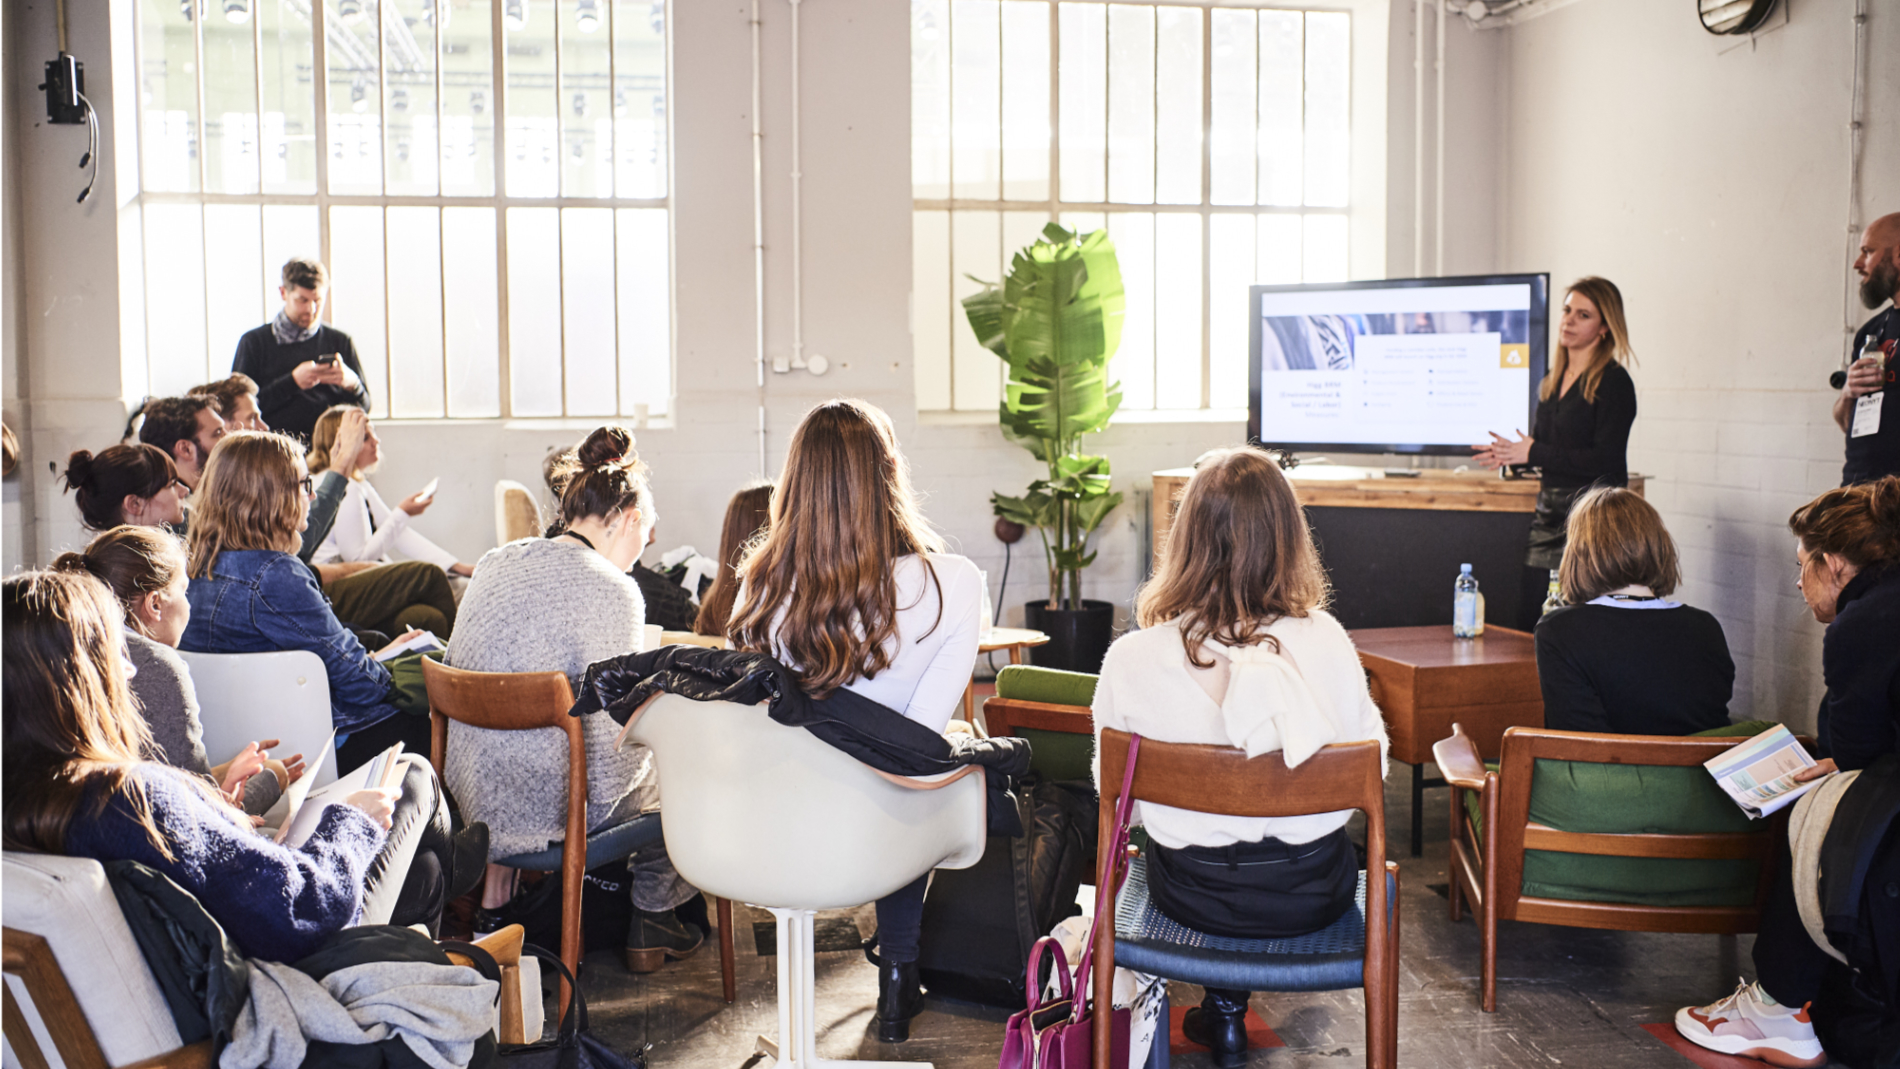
1759,774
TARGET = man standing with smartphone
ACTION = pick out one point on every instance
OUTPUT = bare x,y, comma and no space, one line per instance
302,365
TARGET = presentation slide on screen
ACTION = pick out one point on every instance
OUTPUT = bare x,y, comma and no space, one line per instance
1416,365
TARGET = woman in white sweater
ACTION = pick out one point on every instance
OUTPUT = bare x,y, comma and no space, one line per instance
1236,651
366,528
852,589
558,605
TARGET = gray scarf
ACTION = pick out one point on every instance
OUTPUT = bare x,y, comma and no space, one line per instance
288,333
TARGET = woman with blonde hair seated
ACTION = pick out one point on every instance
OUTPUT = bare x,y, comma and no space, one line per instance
1621,656
1236,649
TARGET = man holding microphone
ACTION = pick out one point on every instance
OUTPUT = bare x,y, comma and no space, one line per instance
302,365
1862,409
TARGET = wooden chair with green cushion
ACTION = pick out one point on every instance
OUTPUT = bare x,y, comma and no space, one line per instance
1622,832
1050,708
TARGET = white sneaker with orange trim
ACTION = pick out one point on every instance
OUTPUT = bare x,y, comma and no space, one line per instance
1750,1024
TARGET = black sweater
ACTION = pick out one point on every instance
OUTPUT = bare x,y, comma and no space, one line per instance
282,404
1860,661
1582,443
1633,671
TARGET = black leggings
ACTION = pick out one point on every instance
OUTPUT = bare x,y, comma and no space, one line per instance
900,921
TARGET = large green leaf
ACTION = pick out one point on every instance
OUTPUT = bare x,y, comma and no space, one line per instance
985,311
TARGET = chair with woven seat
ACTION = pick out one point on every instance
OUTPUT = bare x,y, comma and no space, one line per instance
1361,949
1589,830
527,701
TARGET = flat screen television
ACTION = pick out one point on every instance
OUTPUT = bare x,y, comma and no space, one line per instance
1414,365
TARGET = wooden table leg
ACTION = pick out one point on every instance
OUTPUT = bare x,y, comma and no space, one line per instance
1418,809
969,702
1016,654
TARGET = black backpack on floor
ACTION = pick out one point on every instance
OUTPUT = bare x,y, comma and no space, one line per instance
980,923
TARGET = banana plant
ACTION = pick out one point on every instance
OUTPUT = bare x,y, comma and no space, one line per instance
1055,320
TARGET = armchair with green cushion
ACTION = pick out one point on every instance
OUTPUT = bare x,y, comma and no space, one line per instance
1625,832
1050,708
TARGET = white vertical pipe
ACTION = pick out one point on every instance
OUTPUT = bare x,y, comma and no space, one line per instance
1418,138
798,250
758,247
1438,145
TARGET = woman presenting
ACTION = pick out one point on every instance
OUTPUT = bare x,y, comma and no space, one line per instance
1580,435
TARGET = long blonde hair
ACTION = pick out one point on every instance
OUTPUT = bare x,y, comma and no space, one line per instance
1238,557
323,439
820,590
1615,345
249,498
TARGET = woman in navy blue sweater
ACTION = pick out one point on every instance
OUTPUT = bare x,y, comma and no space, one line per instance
75,784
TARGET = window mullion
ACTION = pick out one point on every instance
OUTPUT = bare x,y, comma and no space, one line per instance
613,176
200,8
1055,112
441,214
1207,198
560,214
320,67
498,61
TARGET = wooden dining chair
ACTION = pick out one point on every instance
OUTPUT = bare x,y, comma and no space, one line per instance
1490,841
528,701
1361,949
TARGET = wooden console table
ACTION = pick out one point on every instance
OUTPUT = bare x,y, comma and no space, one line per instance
1423,680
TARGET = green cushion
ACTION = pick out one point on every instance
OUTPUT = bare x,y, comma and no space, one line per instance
1053,686
1060,755
1581,796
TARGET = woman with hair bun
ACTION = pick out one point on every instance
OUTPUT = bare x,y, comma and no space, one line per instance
1847,560
558,604
145,568
135,484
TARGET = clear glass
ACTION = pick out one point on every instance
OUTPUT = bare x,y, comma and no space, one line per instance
1134,363
290,99
414,249
646,325
1025,100
640,97
930,100
230,89
1328,99
1178,92
1020,230
471,320
533,125
1083,127
234,252
586,103
934,311
1083,222
1235,80
1131,103
410,142
588,307
976,86
168,95
976,242
289,230
1282,97
468,104
175,297
353,51
1326,258
1279,250
1178,311
534,310
1230,264
358,294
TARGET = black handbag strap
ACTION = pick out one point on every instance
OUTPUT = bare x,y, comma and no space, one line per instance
574,1022
485,962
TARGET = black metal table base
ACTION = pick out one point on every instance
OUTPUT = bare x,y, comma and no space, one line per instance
1419,783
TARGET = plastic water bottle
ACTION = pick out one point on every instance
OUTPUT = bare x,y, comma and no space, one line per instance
1554,599
1467,605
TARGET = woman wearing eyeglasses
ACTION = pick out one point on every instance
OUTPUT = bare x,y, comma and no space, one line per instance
127,484
250,594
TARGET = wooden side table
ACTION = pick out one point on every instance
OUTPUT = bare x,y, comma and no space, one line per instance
1423,680
1013,639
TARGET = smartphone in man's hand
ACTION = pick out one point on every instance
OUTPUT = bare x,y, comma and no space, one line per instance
326,359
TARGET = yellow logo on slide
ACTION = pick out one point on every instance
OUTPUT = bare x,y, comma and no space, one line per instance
1514,356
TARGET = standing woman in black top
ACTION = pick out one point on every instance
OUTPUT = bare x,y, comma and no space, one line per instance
1580,436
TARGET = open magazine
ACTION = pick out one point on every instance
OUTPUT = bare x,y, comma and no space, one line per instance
421,641
1759,774
306,806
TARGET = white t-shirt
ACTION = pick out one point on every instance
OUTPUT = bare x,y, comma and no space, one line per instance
931,656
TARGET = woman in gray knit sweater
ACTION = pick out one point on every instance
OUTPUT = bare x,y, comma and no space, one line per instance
145,568
558,605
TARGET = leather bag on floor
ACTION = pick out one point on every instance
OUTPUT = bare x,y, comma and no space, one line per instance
1060,1034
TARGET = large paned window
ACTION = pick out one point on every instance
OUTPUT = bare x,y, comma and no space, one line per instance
1211,141
486,179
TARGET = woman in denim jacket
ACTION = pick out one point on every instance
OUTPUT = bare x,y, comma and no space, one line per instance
250,594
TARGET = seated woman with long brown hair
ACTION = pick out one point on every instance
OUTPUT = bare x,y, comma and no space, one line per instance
852,589
1237,649
747,514
77,782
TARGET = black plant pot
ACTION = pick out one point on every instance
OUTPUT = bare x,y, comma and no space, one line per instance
1078,638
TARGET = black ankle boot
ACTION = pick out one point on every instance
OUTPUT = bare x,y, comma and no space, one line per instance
900,996
1219,1023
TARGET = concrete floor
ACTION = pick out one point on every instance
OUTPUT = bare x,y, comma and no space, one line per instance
1566,997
